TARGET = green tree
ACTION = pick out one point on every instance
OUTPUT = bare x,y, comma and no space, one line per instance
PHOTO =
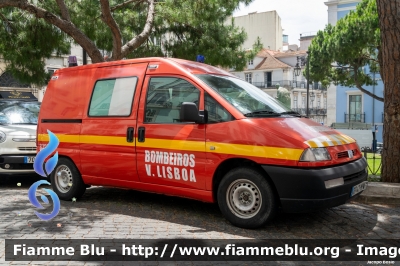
340,53
119,29
369,36
283,96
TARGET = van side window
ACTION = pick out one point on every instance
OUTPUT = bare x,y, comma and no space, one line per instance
113,97
216,113
165,97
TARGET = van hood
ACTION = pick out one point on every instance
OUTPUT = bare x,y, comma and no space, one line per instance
305,130
27,131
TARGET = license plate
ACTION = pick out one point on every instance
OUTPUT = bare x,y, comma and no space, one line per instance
29,159
358,188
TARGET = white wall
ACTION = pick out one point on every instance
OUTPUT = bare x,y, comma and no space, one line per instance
266,25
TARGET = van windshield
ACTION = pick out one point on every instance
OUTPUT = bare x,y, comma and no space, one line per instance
19,112
248,99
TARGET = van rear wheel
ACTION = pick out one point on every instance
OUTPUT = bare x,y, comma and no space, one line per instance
246,198
66,180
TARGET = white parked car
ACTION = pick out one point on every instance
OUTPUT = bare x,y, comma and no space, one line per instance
18,121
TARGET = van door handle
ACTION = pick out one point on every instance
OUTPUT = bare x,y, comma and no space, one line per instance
141,133
129,134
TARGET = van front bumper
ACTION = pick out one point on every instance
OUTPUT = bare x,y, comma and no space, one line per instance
10,164
303,190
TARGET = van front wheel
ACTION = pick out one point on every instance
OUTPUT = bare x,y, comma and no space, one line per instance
246,199
66,180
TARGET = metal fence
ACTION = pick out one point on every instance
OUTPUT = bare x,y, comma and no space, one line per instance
289,84
311,111
273,84
374,161
354,118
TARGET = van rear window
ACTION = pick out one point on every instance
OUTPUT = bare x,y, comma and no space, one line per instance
113,97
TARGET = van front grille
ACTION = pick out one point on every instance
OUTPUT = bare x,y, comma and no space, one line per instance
345,154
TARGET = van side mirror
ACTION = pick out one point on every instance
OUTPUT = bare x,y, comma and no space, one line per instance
190,113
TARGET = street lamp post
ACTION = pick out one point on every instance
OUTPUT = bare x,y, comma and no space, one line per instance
301,61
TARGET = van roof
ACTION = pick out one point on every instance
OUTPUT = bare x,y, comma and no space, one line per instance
185,65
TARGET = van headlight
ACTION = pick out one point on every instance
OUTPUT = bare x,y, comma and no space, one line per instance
315,154
3,136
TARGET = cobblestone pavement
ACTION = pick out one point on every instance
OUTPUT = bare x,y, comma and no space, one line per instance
117,213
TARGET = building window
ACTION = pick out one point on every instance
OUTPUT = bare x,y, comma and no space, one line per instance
248,77
303,101
355,108
318,102
268,79
295,105
250,62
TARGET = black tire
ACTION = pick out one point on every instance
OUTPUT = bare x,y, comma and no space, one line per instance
66,180
246,188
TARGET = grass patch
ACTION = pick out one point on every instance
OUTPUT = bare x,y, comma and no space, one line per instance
374,166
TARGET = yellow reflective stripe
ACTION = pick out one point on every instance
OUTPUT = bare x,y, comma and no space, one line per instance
333,140
105,140
255,151
343,140
61,138
311,143
184,145
323,142
198,146
326,144
349,139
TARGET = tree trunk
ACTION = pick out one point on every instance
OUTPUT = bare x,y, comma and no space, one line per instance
389,23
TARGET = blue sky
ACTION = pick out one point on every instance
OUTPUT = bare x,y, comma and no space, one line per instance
297,16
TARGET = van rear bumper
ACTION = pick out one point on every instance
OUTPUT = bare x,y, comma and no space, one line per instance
303,190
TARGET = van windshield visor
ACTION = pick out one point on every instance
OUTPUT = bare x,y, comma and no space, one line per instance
19,112
248,99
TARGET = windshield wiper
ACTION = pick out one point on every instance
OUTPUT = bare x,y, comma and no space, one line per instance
27,123
293,113
262,113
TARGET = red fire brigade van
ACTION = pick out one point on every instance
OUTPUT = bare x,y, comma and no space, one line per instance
187,129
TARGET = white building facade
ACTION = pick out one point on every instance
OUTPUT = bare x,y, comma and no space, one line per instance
270,70
266,25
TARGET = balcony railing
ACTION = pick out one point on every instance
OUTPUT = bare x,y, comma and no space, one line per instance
272,84
311,111
289,84
354,118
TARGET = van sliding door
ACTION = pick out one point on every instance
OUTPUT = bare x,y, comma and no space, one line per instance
108,153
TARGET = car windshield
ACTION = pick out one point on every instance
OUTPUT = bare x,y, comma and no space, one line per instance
19,112
248,99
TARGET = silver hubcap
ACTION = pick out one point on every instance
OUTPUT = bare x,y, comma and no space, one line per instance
63,178
244,198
